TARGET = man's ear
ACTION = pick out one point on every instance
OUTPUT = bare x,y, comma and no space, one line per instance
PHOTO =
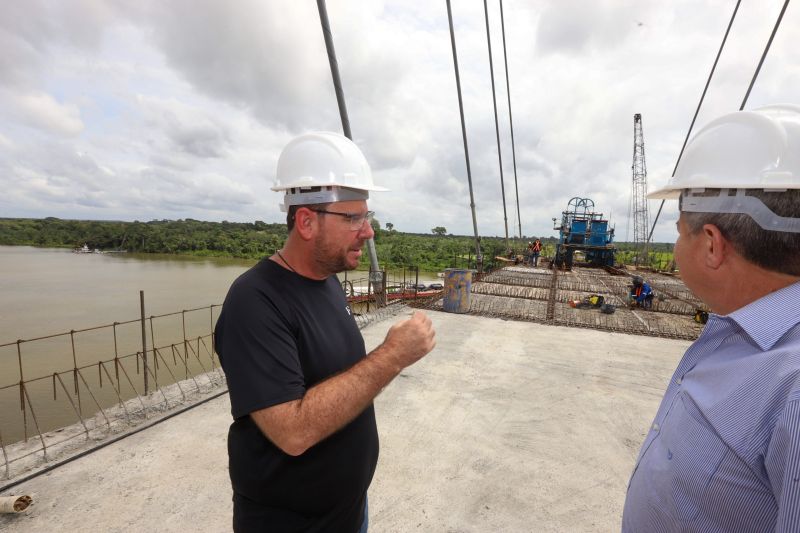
716,247
306,223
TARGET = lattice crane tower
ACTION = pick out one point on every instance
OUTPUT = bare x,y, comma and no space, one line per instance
641,223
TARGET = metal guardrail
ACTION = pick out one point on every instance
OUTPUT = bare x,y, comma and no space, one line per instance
122,391
80,398
132,385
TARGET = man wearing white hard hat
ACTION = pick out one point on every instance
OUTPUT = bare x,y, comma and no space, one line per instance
723,453
303,444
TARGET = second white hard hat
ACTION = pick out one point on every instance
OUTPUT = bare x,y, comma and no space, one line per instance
322,167
741,151
757,149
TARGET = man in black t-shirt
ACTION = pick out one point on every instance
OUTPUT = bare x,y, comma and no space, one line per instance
303,444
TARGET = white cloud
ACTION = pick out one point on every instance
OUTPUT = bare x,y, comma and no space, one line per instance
41,111
176,109
189,129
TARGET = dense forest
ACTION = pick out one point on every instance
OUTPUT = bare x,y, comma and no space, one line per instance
432,251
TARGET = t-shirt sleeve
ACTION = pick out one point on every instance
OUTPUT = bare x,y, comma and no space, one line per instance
258,352
783,467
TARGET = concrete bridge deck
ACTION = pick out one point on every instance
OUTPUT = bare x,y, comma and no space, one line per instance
505,426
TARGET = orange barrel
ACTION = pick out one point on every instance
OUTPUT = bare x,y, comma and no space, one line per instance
457,286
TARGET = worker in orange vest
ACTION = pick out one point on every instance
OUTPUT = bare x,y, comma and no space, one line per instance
641,295
536,249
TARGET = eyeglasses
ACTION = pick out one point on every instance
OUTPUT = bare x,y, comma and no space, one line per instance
356,219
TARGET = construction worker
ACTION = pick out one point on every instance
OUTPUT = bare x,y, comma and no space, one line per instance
723,453
641,294
303,444
536,249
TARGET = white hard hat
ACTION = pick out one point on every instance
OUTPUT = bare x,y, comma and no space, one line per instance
758,149
322,167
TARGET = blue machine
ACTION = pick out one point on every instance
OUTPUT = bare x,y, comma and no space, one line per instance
586,231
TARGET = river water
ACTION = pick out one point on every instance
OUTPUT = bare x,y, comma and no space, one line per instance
46,291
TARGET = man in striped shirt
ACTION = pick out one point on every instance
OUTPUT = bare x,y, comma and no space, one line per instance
723,453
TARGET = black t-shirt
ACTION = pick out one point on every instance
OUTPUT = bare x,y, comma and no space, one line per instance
278,335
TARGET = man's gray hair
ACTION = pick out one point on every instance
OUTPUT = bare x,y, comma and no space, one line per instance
778,251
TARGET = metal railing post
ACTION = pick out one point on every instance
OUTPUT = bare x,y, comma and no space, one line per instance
75,371
185,350
144,343
22,392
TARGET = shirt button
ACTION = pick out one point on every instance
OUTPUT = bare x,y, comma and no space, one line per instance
679,381
655,427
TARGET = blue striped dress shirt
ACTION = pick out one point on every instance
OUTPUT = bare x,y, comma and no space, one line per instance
723,453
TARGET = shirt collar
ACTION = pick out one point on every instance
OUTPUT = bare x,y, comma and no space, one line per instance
768,319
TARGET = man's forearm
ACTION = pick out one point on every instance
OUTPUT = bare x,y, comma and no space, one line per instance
328,406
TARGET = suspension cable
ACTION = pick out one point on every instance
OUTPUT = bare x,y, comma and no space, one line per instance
496,125
376,274
510,120
478,255
764,55
696,111
334,64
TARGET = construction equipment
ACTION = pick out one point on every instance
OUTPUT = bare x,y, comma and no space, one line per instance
595,300
639,193
700,316
584,230
608,309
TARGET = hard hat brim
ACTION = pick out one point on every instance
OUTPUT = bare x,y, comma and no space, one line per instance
665,193
305,183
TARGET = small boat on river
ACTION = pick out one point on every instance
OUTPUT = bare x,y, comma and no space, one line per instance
86,250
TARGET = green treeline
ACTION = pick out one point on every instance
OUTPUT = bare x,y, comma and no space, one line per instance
158,236
253,240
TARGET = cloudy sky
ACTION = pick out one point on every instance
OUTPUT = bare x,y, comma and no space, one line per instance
148,110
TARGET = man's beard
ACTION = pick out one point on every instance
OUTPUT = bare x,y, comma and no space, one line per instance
330,258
